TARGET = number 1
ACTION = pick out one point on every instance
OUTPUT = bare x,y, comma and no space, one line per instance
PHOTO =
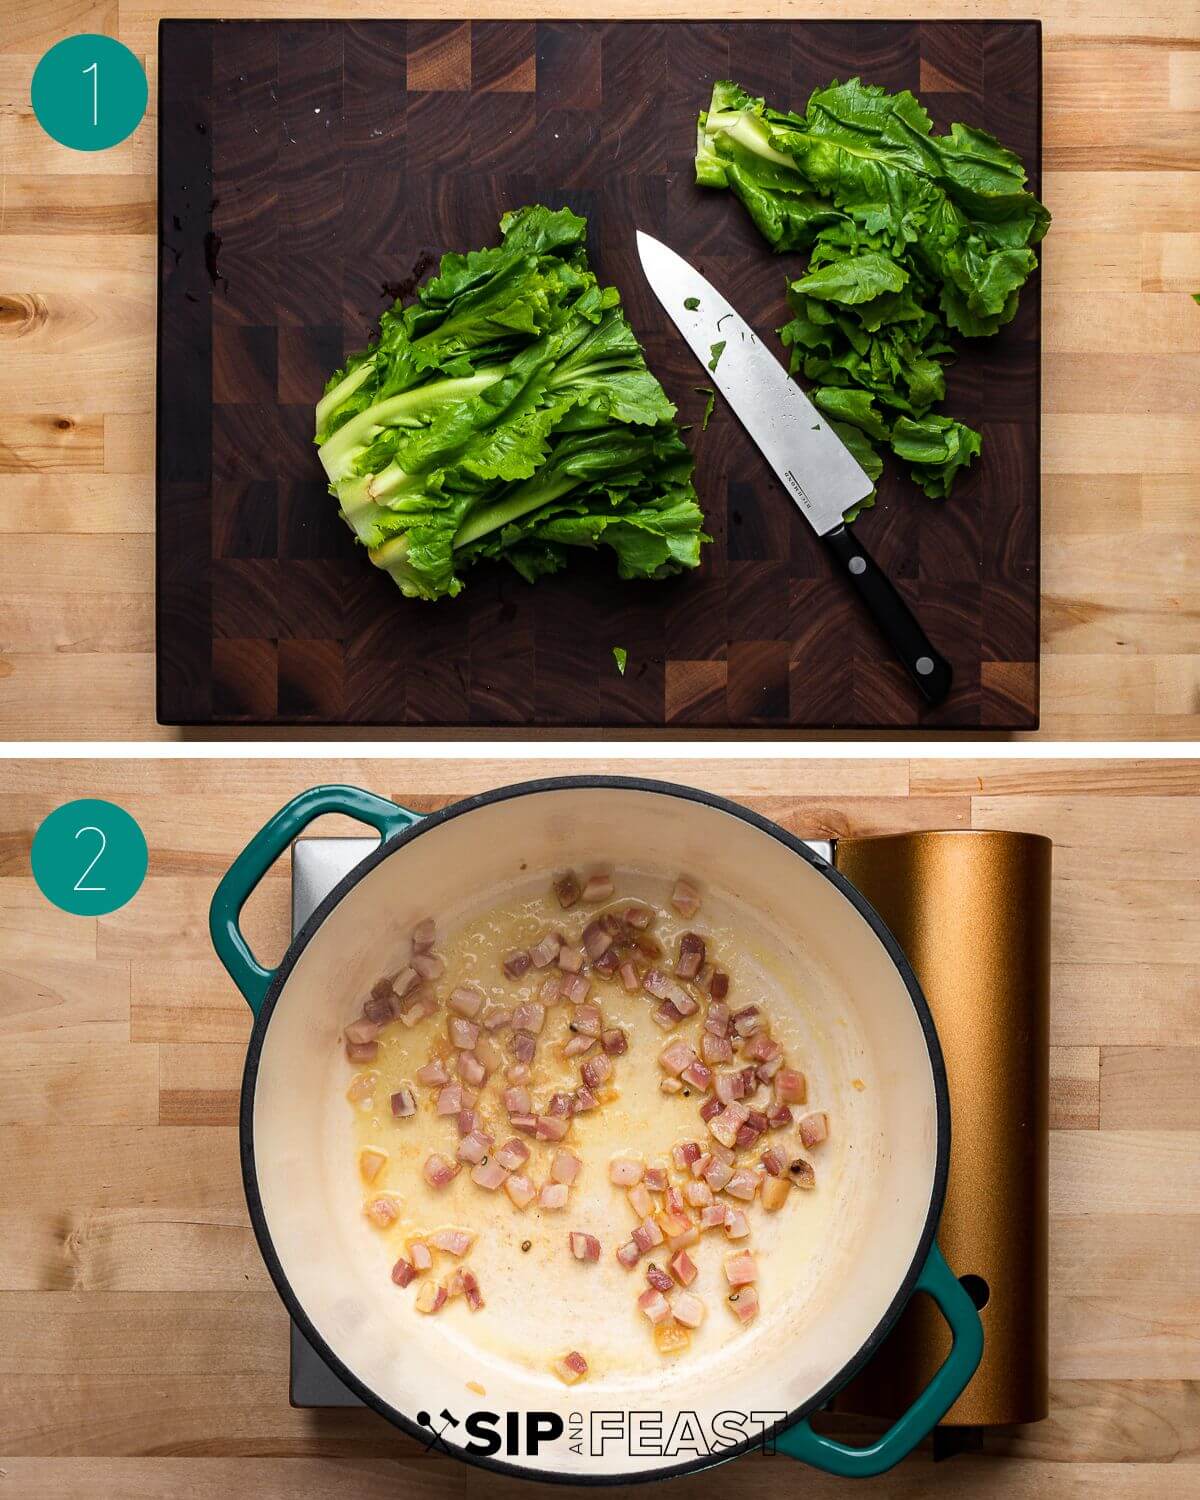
94,70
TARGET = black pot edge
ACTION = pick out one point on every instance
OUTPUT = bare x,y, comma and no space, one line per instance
577,783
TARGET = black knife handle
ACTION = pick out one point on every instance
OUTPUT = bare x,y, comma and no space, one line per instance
926,666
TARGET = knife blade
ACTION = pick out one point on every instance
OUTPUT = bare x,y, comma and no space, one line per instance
812,463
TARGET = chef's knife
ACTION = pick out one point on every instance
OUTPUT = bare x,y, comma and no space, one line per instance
810,460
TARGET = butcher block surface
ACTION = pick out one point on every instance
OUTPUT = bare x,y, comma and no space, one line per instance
145,1350
311,171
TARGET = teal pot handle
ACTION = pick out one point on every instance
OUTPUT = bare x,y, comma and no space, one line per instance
927,1410
261,853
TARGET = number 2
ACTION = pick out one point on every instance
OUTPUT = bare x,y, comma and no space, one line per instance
94,70
79,885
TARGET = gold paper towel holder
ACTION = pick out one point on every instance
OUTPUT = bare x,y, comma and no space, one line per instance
971,909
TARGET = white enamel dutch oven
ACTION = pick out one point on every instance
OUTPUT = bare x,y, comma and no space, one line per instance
843,1263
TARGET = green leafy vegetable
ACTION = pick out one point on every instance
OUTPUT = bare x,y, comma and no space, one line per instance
716,350
508,413
691,303
911,237
936,447
706,390
620,656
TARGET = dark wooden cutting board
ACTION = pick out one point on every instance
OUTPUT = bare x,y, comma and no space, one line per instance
310,171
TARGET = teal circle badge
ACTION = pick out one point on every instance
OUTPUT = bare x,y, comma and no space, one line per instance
89,857
89,92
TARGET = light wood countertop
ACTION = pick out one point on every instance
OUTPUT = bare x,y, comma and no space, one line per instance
143,1350
1121,364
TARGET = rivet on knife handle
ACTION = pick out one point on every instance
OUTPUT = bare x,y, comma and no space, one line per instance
926,666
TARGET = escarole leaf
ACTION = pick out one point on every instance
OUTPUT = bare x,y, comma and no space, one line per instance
854,279
936,447
856,407
912,239
508,413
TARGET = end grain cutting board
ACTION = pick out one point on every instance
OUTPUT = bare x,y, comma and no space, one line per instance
311,171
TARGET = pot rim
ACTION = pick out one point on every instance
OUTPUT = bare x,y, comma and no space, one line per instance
507,793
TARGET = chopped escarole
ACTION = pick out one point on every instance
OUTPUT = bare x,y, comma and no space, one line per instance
912,238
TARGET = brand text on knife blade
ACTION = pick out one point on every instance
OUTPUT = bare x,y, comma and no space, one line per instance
798,489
